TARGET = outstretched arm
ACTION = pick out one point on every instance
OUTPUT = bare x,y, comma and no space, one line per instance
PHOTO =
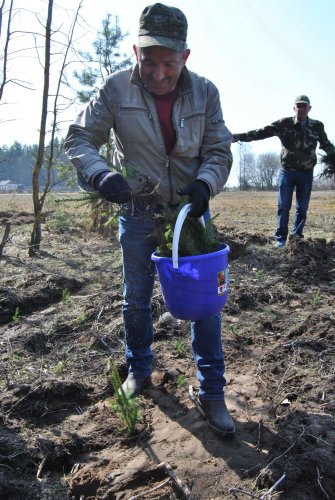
258,134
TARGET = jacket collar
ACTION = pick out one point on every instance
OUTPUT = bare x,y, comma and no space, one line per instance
185,83
295,120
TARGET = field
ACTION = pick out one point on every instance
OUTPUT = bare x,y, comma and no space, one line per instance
60,322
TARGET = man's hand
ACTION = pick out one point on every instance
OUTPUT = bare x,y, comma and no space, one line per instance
199,196
236,137
113,187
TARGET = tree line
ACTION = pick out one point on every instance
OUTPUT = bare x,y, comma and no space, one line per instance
18,160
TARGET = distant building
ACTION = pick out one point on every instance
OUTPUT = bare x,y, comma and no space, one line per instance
9,186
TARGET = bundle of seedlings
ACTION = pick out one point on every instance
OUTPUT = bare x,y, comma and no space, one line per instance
328,160
195,239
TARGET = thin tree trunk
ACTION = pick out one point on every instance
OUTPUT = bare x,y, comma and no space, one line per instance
36,233
5,238
5,54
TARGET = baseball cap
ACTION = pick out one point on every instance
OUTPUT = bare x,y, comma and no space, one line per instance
301,99
164,26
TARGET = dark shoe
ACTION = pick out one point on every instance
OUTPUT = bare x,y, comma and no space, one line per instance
218,416
133,385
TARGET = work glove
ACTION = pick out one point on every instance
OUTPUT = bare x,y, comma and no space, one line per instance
199,196
113,187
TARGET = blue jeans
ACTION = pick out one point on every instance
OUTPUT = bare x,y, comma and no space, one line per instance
301,181
137,240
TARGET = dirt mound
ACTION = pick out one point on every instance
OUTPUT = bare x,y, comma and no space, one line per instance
31,295
311,258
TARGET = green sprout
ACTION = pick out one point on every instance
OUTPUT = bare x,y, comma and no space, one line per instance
16,315
181,380
79,319
317,297
60,367
123,404
178,345
65,295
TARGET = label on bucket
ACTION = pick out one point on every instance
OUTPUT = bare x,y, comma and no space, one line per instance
222,281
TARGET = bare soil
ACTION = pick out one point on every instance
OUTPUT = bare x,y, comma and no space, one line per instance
60,321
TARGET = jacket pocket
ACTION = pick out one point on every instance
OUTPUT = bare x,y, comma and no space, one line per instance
190,131
133,125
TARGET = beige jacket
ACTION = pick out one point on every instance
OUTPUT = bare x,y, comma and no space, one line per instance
124,107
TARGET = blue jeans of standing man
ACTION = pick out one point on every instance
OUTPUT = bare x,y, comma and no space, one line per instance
301,181
138,242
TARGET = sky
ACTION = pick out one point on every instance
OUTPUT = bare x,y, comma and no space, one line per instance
260,54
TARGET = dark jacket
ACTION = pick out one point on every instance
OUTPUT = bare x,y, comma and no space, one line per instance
298,147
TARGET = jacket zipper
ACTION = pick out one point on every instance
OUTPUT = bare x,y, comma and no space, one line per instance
167,165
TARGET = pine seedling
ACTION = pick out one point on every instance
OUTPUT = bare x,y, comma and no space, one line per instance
60,367
178,345
317,297
181,380
328,161
194,238
65,295
16,315
125,405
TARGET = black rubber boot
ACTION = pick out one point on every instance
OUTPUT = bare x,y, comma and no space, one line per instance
218,416
133,385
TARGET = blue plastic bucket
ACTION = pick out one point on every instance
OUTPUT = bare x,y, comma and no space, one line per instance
193,287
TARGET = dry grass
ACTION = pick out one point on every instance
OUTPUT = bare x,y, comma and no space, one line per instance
256,212
24,202
250,212
16,202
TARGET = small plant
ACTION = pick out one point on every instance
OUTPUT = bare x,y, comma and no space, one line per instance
61,221
66,295
124,405
240,337
233,330
15,357
79,319
317,297
16,315
178,345
60,367
181,380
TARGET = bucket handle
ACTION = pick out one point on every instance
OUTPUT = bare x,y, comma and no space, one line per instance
177,229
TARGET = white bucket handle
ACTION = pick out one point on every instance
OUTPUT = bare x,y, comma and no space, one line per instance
177,229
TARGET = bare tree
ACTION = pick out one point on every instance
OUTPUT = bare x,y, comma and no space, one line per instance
266,170
5,53
247,163
38,202
45,157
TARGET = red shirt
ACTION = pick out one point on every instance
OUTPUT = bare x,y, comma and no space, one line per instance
164,104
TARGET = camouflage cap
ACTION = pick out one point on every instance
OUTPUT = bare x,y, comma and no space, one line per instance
302,99
164,26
